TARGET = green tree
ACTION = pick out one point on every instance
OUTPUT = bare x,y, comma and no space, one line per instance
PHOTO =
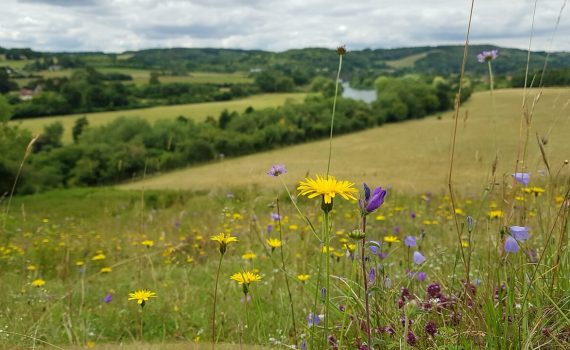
6,109
50,138
78,127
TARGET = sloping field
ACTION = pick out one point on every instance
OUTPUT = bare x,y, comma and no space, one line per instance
196,111
410,156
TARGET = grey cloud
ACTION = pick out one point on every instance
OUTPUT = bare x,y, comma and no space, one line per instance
66,3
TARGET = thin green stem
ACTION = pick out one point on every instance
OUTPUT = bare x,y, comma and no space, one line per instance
333,111
365,281
285,273
215,302
326,240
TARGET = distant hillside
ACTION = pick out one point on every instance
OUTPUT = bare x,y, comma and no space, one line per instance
439,60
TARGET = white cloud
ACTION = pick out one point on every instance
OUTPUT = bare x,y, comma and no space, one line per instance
119,25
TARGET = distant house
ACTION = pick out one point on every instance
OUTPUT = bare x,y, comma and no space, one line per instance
26,94
55,68
255,70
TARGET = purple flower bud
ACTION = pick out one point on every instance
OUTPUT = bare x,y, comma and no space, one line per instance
108,298
522,178
313,319
421,276
418,258
413,215
410,241
303,345
520,233
511,245
376,200
372,276
366,192
323,293
269,228
470,222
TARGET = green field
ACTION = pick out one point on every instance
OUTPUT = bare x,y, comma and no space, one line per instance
196,111
406,62
411,156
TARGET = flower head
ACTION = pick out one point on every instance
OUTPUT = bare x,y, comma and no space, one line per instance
487,56
391,239
522,178
142,296
148,243
410,241
245,278
511,245
274,243
303,277
520,233
418,258
223,239
327,188
371,202
108,298
38,282
277,170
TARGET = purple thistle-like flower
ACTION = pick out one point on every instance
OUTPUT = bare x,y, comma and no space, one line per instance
487,56
277,170
434,290
431,328
421,276
520,233
511,245
410,241
108,298
418,258
275,216
411,338
522,178
269,228
372,201
413,215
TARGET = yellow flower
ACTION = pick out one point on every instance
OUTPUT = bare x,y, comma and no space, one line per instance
327,249
328,188
293,227
189,259
303,277
380,218
38,282
148,243
249,256
79,263
339,254
99,256
223,239
495,214
142,296
274,243
31,267
464,244
246,277
105,270
391,239
459,211
559,199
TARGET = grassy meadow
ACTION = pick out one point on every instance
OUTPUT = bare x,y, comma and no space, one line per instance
408,268
196,111
411,156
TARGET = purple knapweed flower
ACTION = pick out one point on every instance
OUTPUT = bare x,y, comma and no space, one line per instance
511,245
108,298
313,319
413,215
269,228
373,201
421,276
487,56
431,328
520,233
522,178
410,241
275,216
277,170
418,258
411,338
434,290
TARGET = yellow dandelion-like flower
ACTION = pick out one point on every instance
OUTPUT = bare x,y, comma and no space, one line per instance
495,214
559,199
303,277
38,282
464,244
79,263
148,243
380,218
31,267
249,256
293,227
459,211
105,270
99,256
391,239
327,249
339,254
246,277
142,296
274,243
223,239
328,188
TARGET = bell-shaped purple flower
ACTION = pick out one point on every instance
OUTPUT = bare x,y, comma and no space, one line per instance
313,319
410,241
511,245
421,276
418,258
522,178
372,276
371,201
520,233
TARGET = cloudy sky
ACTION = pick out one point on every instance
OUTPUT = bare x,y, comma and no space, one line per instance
120,25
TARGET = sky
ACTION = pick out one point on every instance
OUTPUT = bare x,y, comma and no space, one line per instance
277,25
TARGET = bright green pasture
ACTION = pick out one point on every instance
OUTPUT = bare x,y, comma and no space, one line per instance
411,156
196,111
406,62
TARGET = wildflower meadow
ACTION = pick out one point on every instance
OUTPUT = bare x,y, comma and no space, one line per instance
313,262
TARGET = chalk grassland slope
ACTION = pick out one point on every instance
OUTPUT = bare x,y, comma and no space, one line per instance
411,156
196,111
